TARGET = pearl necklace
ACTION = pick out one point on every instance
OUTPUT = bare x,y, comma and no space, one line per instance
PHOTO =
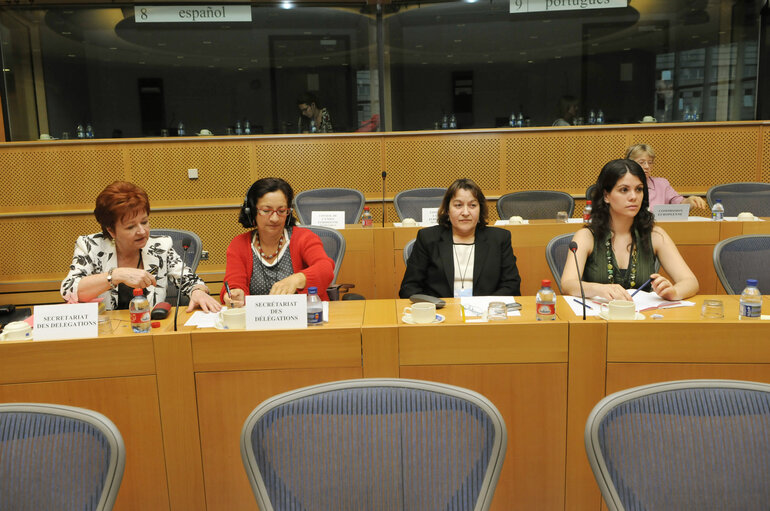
611,267
262,253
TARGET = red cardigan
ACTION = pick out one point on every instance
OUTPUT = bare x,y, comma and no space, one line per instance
307,256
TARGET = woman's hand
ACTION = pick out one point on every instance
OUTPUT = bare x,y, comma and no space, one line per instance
207,303
696,202
236,299
663,287
289,285
132,277
611,292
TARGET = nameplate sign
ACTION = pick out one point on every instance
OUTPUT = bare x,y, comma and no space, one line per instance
67,321
270,312
192,13
333,219
671,212
429,216
522,6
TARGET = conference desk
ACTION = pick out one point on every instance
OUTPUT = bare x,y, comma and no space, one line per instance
180,398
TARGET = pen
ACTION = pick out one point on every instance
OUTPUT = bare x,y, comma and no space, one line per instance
227,288
581,303
640,287
462,312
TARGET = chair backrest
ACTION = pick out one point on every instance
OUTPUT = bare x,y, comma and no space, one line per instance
374,444
409,203
58,457
743,257
556,254
329,199
739,197
534,204
408,249
193,256
334,245
684,445
590,191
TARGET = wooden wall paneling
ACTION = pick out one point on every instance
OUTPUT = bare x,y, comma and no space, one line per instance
225,400
132,404
764,167
623,376
358,265
386,280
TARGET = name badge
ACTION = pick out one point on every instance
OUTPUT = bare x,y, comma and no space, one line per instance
67,321
270,312
333,219
460,293
429,216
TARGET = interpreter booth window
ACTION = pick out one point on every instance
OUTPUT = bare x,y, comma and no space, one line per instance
652,61
86,72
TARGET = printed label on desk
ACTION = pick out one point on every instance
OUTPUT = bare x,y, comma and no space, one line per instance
333,219
429,216
67,321
671,212
269,312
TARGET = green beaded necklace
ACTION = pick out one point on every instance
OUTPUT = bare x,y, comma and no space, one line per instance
611,267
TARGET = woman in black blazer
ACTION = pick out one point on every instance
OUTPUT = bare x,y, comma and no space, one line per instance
462,256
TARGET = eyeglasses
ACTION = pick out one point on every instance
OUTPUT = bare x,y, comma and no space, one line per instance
279,212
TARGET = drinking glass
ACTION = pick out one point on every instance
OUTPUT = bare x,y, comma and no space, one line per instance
713,309
497,311
561,216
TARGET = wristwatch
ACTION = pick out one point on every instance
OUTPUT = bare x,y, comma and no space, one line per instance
109,276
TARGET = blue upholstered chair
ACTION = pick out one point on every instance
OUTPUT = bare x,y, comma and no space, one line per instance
56,457
535,204
334,245
409,203
682,445
374,444
743,257
408,249
329,199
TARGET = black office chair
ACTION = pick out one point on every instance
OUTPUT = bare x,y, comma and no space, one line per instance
535,204
329,199
743,257
409,203
739,197
556,254
334,246
193,256
590,191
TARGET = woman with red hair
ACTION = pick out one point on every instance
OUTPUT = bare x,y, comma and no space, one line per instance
110,264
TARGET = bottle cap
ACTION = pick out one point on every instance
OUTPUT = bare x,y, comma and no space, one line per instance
588,202
366,208
752,282
312,290
138,291
155,324
719,200
546,283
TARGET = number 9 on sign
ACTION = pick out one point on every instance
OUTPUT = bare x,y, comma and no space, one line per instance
517,5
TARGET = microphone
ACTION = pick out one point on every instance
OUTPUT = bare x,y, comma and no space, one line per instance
573,249
384,175
185,247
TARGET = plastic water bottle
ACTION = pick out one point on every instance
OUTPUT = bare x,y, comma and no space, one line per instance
718,211
587,213
452,122
313,128
520,120
315,310
600,117
238,128
180,129
89,131
366,218
512,122
751,301
591,117
444,122
139,311
80,131
247,127
545,302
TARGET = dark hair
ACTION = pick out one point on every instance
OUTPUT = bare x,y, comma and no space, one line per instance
644,221
248,217
462,184
116,201
565,104
308,98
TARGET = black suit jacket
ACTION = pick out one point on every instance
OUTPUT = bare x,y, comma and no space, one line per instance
430,268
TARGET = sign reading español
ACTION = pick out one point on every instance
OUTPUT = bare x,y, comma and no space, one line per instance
522,6
191,13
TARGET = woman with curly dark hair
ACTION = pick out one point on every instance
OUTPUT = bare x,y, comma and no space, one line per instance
617,251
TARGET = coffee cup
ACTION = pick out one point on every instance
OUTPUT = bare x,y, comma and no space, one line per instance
619,309
649,118
421,312
16,331
746,215
45,136
232,319
205,133
409,222
515,220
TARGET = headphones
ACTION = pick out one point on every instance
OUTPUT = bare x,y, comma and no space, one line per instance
248,217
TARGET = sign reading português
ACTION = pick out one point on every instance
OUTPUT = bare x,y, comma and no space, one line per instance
191,13
521,6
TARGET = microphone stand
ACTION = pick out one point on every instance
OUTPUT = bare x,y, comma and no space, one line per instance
185,247
580,279
384,175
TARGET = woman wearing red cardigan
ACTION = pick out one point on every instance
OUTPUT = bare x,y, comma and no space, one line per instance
275,257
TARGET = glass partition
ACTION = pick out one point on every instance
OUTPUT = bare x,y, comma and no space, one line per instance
460,64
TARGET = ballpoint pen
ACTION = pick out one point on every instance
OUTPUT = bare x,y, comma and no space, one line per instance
581,303
227,288
640,287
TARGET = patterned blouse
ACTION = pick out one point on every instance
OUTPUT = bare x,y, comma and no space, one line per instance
95,254
326,123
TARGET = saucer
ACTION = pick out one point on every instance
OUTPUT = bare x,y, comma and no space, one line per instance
439,319
639,317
